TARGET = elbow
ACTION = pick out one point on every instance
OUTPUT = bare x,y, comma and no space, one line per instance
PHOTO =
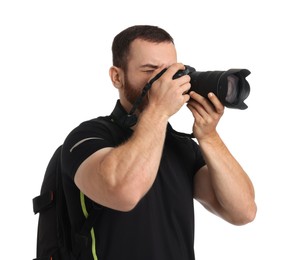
246,216
122,199
127,206
125,203
251,213
124,195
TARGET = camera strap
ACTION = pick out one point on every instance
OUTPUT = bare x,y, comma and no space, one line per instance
140,98
144,92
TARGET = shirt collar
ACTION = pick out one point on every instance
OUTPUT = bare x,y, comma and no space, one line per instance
121,117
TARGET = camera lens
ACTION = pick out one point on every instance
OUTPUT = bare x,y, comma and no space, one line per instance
232,89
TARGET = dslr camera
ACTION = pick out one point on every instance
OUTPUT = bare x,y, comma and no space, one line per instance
231,86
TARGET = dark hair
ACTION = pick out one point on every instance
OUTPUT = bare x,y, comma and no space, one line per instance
122,41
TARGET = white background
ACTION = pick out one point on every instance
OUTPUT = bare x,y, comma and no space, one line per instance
54,61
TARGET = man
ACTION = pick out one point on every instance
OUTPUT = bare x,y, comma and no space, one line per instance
137,173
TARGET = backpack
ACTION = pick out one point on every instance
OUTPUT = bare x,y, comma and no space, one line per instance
54,237
53,224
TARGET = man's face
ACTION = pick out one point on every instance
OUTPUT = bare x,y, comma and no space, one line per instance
144,59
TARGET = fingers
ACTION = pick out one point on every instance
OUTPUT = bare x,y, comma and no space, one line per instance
183,82
216,102
204,106
200,104
169,94
170,71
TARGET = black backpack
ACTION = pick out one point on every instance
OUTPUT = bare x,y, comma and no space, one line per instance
54,238
53,235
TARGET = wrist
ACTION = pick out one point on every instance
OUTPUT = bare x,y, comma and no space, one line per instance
153,114
151,121
210,139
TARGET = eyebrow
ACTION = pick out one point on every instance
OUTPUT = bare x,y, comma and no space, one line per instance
150,66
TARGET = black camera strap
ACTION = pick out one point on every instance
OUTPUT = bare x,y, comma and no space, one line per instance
144,92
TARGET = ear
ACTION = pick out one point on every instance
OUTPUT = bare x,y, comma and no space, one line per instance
116,76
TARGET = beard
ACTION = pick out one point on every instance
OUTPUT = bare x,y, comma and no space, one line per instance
132,93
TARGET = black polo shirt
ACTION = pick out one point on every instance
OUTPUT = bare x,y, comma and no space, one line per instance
161,226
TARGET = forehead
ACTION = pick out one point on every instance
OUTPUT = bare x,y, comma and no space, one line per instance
144,52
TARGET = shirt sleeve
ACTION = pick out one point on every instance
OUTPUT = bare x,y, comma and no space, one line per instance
82,142
199,160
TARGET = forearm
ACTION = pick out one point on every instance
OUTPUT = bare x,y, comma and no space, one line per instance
232,186
131,168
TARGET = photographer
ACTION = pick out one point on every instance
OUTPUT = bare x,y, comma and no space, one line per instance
138,174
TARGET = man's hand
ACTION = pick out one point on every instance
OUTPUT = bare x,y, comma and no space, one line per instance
168,95
207,113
